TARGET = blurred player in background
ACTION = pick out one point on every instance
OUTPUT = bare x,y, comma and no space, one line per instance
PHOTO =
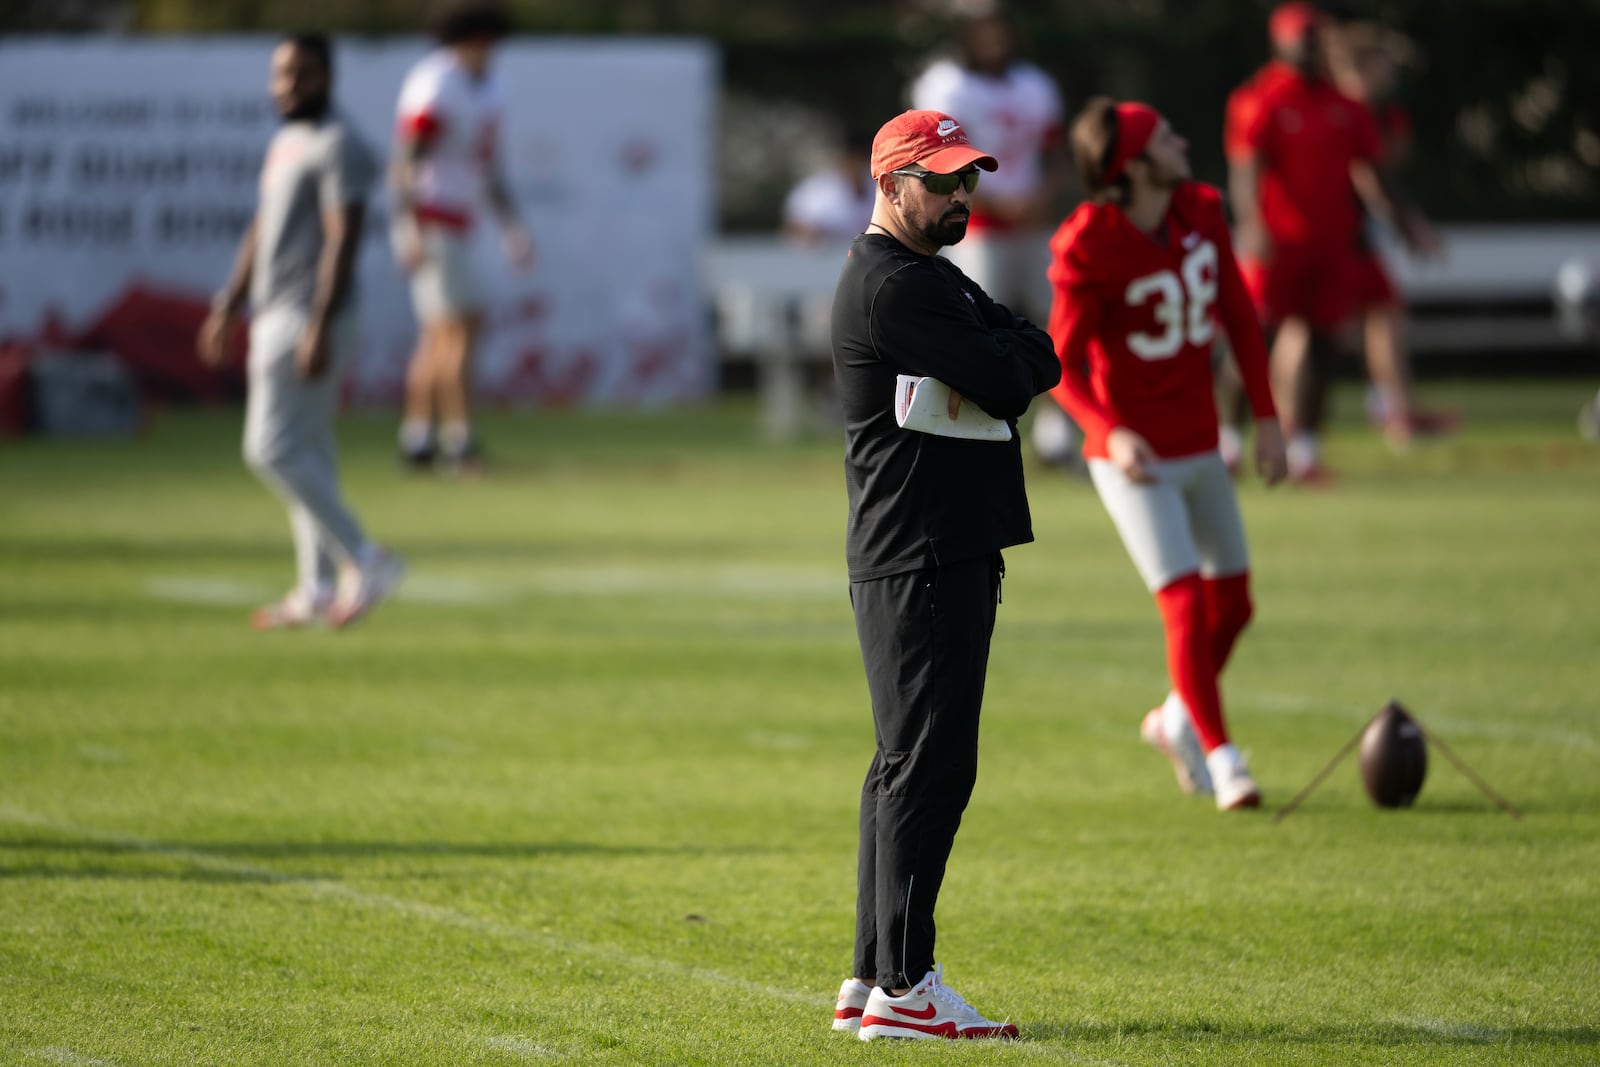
1364,67
446,171
296,266
1143,274
834,204
1014,108
1299,152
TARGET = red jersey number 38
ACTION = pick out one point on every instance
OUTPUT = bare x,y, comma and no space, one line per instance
1183,302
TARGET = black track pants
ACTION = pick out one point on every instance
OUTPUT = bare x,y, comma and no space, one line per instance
925,642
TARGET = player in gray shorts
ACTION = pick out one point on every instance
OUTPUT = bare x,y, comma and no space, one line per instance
296,263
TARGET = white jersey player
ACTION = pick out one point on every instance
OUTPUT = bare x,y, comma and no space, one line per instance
447,172
1014,109
457,118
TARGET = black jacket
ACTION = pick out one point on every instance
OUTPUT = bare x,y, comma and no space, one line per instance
919,500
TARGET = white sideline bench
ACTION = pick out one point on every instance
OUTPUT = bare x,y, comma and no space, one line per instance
772,299
1491,264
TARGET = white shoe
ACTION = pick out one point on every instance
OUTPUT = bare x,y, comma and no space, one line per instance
930,1010
1235,788
298,608
1304,455
375,580
852,1002
1169,730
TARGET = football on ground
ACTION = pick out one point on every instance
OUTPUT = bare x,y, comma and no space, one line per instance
1394,758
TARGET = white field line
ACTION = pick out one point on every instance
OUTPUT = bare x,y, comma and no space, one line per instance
199,589
686,580
1027,1047
425,588
1454,1031
692,580
324,889
67,1057
521,1046
102,754
1448,726
1504,731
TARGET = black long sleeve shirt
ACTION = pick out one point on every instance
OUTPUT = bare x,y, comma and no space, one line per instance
920,500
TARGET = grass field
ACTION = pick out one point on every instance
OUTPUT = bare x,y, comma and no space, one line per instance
585,793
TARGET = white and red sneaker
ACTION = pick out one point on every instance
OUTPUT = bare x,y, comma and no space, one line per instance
1235,789
852,1002
1304,455
931,1010
375,579
1169,730
298,608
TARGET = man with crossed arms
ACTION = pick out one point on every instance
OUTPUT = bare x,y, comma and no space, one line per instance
929,515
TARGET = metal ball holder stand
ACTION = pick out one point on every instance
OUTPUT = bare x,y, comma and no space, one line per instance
1393,714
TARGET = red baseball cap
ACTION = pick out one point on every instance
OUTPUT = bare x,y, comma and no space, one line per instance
1289,22
931,138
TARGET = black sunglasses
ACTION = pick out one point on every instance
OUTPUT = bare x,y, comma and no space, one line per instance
943,184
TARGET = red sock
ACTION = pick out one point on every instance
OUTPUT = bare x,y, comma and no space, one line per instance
1228,610
1189,657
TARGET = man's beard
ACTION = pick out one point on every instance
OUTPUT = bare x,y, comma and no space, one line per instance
948,229
311,108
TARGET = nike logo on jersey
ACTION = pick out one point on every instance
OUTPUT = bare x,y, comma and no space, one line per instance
917,1013
1190,240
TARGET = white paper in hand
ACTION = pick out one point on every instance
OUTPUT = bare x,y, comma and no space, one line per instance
924,404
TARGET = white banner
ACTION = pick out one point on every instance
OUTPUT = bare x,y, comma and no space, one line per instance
128,171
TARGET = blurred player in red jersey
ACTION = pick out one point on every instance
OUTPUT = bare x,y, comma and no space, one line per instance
1298,152
446,168
1364,65
1143,275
